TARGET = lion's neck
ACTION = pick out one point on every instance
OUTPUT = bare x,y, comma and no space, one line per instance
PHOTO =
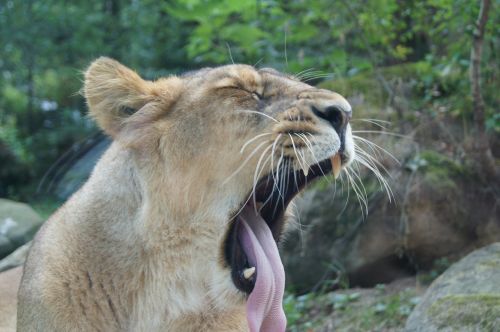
150,196
146,232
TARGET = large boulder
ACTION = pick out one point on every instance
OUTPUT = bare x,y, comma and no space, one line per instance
18,223
465,298
16,258
79,171
435,216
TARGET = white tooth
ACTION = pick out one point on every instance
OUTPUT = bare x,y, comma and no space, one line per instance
248,273
305,169
336,165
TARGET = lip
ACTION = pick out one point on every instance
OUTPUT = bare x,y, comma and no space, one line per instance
271,204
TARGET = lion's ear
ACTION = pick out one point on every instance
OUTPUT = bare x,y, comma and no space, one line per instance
113,93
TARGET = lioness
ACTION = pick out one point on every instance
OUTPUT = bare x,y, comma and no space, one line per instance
177,227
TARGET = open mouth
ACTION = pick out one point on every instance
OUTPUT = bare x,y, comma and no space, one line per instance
251,244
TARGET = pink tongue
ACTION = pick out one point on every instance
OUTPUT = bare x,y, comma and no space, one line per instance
264,306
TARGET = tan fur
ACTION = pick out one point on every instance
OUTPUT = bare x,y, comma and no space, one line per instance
9,283
139,246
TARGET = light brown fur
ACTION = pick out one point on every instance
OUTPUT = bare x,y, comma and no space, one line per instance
139,246
9,283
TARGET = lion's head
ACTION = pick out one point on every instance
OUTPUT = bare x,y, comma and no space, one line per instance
229,146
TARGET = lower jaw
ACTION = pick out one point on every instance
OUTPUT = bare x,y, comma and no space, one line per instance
272,204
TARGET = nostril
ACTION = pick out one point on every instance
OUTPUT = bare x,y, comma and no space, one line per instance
332,114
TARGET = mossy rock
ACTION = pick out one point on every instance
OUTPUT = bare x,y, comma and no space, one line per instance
16,258
18,224
477,311
465,298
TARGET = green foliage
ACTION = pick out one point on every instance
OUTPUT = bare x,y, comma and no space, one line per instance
291,35
46,43
493,123
296,307
440,163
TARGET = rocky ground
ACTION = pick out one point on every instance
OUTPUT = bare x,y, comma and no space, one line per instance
466,297
384,307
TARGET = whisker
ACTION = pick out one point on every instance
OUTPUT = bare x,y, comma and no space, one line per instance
281,185
373,122
284,174
363,194
342,180
230,54
382,181
295,179
251,140
259,113
244,163
314,155
296,154
257,174
276,182
273,151
372,160
361,200
286,56
316,77
255,65
300,73
373,146
308,144
311,73
380,132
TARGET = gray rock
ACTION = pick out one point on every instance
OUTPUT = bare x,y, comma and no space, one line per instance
464,298
18,223
6,246
16,258
429,221
80,171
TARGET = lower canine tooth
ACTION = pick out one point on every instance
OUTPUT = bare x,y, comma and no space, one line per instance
336,165
248,273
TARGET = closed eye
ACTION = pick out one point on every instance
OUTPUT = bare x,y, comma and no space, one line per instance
255,95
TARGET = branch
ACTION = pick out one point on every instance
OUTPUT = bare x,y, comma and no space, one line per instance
481,147
371,53
475,67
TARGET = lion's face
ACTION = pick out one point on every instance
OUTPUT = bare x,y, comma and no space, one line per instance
235,124
233,144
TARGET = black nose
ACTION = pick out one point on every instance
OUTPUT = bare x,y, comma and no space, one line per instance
337,117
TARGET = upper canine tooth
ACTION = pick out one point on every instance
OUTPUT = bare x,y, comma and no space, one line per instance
248,273
305,169
335,160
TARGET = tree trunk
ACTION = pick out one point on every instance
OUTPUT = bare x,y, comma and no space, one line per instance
29,55
481,147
